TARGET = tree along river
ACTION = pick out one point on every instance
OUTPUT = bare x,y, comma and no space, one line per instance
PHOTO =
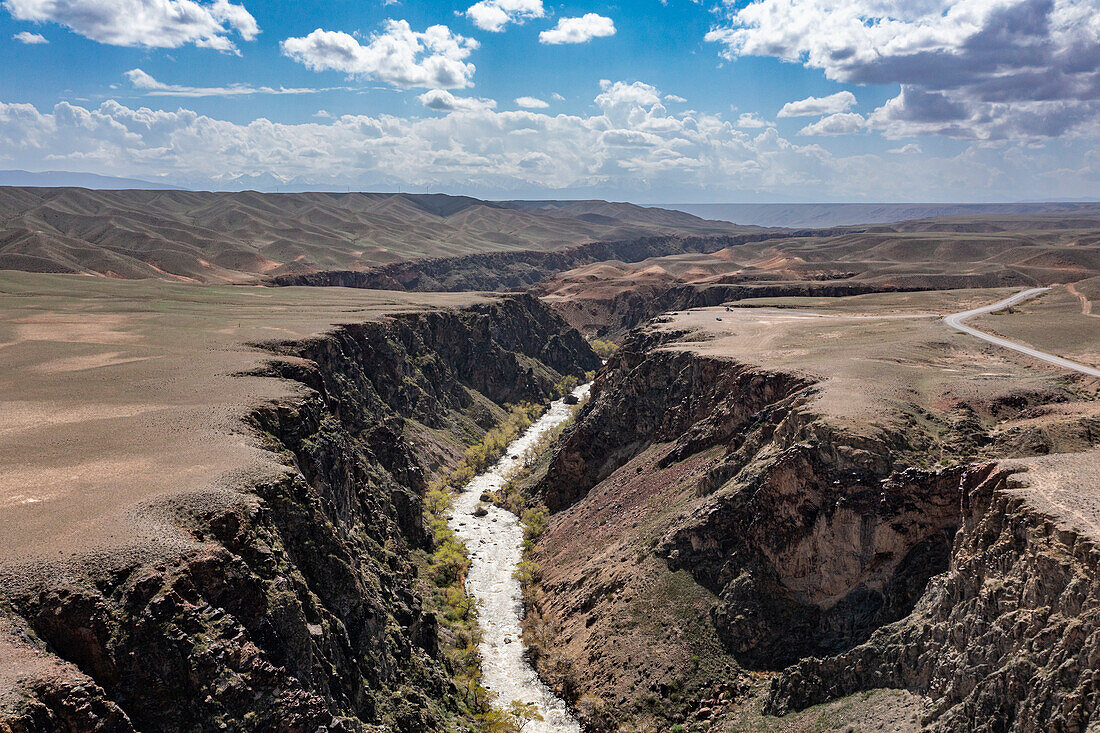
495,544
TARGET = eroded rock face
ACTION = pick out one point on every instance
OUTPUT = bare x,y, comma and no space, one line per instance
830,559
809,539
644,398
299,610
1007,639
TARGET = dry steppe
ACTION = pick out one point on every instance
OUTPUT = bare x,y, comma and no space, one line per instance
240,237
120,401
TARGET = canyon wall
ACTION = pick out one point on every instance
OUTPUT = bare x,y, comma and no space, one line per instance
520,269
298,606
1006,639
823,558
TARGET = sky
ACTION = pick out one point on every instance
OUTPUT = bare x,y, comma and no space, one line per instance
653,101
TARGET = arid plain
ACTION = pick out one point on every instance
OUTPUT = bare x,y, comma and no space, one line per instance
796,500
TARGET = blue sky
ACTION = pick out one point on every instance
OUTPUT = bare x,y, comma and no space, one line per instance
677,101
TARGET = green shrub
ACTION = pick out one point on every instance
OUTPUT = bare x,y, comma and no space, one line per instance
604,349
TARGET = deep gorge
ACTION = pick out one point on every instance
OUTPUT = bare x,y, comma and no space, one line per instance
300,607
714,542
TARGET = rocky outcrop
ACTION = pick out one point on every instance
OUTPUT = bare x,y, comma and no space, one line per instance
808,558
831,560
809,538
298,607
1006,640
521,269
645,397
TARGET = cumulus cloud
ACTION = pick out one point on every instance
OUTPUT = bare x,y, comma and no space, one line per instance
968,68
578,30
29,38
531,103
443,101
751,120
841,123
154,88
397,55
149,23
630,143
675,98
622,94
908,149
493,15
818,106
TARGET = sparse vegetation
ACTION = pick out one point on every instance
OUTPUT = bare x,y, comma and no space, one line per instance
603,348
446,569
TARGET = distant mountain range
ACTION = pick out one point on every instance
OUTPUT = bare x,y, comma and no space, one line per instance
792,215
56,179
833,215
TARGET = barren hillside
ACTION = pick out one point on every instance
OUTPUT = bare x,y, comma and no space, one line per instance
238,237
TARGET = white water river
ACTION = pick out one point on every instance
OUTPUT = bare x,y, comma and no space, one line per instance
495,543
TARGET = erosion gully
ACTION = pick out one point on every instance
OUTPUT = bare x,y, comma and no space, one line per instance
495,544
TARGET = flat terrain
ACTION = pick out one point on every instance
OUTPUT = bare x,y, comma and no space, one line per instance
919,255
870,349
114,394
986,251
1060,321
831,215
239,237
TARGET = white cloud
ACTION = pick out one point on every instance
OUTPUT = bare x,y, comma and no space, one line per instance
674,98
557,97
29,38
444,101
817,106
493,15
398,55
630,145
634,94
987,69
841,123
909,149
143,81
150,23
751,120
531,103
579,30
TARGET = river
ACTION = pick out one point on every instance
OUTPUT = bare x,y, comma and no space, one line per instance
495,543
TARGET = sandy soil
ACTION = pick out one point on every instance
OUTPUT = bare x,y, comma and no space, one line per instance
118,394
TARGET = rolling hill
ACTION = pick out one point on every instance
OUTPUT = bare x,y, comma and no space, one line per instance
240,237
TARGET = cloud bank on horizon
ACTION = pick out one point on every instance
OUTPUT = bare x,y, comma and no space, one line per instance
780,99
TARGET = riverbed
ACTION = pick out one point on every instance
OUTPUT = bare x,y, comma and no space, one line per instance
495,543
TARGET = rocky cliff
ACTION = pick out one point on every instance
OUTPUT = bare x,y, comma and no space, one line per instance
818,550
519,269
297,607
1006,639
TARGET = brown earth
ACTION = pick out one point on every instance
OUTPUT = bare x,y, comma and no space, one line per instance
610,297
212,496
240,237
753,487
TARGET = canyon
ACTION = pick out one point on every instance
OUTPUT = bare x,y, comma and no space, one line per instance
794,498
